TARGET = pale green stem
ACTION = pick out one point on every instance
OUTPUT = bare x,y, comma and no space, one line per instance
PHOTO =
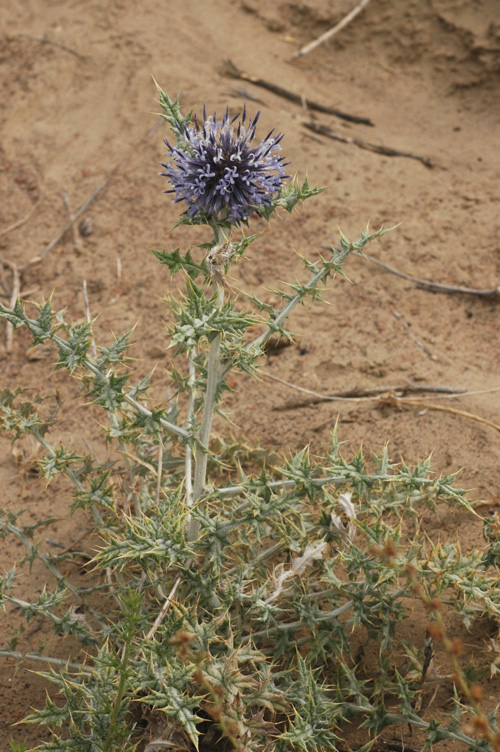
68,471
203,438
414,720
87,362
190,418
298,624
43,659
281,317
120,694
237,490
137,506
45,559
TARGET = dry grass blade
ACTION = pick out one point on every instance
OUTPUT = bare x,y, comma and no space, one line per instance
331,32
392,399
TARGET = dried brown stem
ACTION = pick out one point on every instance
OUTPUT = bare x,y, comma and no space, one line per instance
331,32
16,286
399,317
230,69
360,394
387,151
44,40
164,609
88,201
50,246
21,221
424,284
18,270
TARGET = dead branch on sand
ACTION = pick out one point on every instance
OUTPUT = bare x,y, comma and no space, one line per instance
425,284
230,69
387,151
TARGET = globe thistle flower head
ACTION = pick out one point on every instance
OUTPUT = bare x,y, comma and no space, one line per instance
219,172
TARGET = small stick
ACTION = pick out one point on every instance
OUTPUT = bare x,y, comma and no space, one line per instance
44,40
331,32
230,69
55,543
22,293
43,659
76,237
21,221
387,151
360,395
18,270
246,95
435,286
118,269
399,317
48,248
16,286
89,320
164,609
89,200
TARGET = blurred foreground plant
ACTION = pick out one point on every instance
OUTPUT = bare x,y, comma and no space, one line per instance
263,612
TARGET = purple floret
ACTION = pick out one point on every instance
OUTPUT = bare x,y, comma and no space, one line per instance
219,174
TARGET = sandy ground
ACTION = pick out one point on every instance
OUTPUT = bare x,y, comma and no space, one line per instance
77,110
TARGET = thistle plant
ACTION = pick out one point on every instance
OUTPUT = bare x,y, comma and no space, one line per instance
228,606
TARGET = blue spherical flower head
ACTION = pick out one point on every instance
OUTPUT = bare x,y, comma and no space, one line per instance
220,174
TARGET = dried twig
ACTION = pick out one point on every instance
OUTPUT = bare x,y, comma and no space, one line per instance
361,394
246,95
16,287
89,200
230,69
44,40
48,248
388,151
331,32
387,395
21,221
424,284
164,609
399,317
18,270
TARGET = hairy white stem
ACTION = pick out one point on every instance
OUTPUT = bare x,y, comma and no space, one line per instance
44,659
201,452
326,616
190,417
92,367
214,371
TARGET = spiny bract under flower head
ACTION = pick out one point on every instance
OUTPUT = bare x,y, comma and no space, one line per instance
219,174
